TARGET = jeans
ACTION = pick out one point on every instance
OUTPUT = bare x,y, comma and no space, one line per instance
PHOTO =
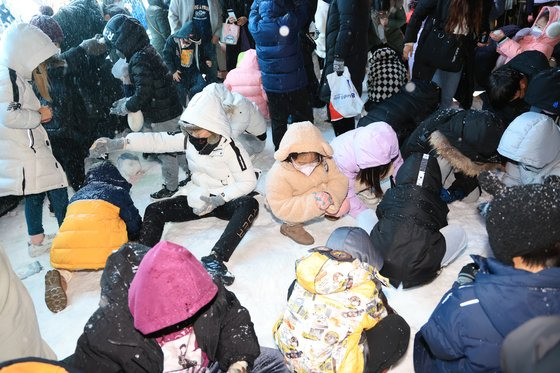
191,83
241,212
269,361
170,161
448,82
34,209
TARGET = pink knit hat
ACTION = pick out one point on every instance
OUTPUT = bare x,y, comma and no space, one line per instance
170,286
49,26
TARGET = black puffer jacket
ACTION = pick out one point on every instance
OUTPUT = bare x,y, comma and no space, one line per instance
406,109
410,217
154,92
347,39
110,343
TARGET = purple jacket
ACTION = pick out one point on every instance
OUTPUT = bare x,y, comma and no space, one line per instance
364,147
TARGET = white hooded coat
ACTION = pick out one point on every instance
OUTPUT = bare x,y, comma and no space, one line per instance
27,165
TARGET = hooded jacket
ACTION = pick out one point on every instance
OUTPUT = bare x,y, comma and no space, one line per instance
332,303
280,56
227,171
289,192
172,51
362,148
27,165
511,48
532,142
101,217
79,20
154,92
158,24
467,328
410,216
223,328
405,109
246,80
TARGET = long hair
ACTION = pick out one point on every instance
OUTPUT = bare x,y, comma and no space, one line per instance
41,79
464,13
372,176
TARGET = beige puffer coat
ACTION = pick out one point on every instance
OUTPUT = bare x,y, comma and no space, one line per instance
289,192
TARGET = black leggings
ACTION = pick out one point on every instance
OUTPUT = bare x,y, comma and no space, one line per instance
241,212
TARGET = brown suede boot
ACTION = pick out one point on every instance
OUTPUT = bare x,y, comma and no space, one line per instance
297,233
55,291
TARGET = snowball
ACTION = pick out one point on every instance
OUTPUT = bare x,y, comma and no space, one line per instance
135,121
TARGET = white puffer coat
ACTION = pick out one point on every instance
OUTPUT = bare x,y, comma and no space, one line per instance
226,171
27,165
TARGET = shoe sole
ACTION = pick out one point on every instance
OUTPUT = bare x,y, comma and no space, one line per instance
293,239
55,297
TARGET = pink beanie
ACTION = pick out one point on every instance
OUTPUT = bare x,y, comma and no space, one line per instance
49,26
170,286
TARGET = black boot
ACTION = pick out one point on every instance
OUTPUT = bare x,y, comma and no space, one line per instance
217,269
163,193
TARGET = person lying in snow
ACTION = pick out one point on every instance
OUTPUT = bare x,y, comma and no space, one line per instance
222,178
412,233
101,217
495,296
305,183
161,312
336,320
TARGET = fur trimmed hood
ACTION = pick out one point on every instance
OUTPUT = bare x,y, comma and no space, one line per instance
302,137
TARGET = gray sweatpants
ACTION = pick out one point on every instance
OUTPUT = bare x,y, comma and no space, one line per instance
170,161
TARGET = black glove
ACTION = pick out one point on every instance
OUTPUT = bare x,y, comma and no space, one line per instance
467,274
93,46
491,182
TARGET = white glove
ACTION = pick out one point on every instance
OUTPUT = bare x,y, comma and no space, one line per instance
106,145
119,107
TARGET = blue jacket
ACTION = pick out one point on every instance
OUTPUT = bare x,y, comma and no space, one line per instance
280,57
104,182
467,328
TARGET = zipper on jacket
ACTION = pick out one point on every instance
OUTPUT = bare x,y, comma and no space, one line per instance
31,140
23,183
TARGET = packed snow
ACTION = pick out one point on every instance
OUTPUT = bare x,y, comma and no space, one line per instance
263,263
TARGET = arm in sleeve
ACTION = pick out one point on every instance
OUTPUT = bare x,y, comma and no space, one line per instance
398,19
11,115
337,186
141,74
173,16
169,55
162,23
254,20
346,29
131,217
243,174
76,61
421,12
156,142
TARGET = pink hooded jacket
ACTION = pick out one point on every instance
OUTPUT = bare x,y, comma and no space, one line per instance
365,147
170,286
510,48
246,80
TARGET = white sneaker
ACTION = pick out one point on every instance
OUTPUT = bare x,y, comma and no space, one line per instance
42,248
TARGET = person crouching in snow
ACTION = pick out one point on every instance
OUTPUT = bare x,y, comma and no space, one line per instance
27,164
222,178
161,312
412,233
304,183
248,125
100,218
336,310
183,54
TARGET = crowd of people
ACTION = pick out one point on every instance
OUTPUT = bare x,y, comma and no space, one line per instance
195,89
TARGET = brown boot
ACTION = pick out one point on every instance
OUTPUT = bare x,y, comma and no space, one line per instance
55,291
297,233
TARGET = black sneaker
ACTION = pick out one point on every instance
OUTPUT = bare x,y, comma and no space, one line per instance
185,181
163,193
217,269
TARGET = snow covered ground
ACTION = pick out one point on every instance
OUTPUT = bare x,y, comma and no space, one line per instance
263,263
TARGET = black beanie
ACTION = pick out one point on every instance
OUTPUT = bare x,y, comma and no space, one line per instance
522,220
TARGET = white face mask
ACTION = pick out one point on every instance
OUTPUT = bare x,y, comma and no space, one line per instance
306,169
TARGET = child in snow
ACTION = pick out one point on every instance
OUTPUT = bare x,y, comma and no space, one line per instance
154,93
412,233
27,164
100,218
184,54
246,79
495,296
304,183
335,308
222,178
543,36
366,156
161,312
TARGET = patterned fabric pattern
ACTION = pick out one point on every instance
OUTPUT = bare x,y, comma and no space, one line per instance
386,74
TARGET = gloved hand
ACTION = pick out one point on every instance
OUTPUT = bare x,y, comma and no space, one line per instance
323,200
467,274
119,107
449,196
93,46
106,145
483,209
338,66
213,201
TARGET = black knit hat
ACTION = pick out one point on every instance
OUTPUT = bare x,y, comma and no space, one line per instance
522,220
544,91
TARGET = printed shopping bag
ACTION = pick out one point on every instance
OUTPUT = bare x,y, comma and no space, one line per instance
345,99
230,33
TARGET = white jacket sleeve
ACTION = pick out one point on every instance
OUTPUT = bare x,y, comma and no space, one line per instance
257,123
241,169
156,142
173,16
12,115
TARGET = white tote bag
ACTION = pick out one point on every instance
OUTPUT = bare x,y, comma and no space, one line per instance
344,97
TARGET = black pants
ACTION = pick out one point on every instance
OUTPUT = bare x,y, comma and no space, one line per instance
387,343
282,105
71,154
241,212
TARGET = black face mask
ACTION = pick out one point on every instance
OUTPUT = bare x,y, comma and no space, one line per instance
202,145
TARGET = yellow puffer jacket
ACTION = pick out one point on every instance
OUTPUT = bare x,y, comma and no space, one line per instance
332,303
91,231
